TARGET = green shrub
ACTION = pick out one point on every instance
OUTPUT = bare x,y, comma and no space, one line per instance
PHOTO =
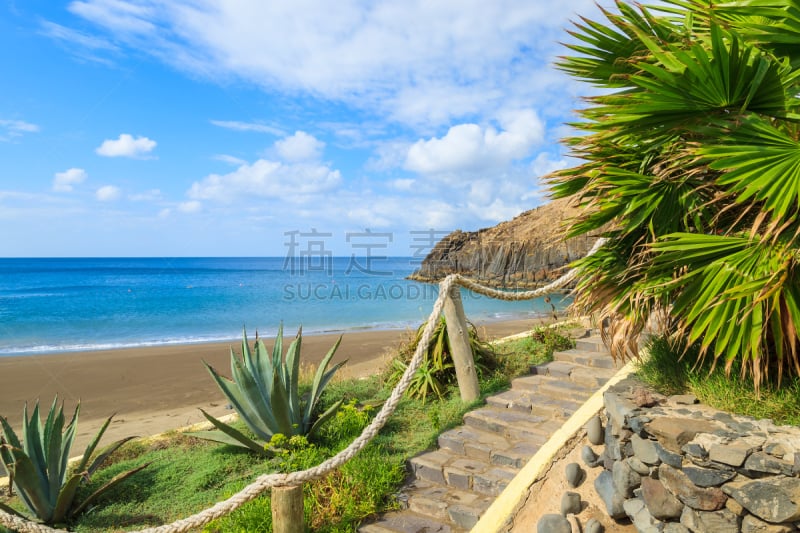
437,371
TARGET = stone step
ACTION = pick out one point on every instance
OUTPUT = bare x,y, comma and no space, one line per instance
512,425
590,344
593,378
473,442
526,402
458,508
407,522
586,358
446,469
552,387
583,375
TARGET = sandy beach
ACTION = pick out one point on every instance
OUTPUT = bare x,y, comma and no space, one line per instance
152,390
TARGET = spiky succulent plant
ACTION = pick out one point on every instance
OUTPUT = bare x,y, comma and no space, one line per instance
38,466
265,390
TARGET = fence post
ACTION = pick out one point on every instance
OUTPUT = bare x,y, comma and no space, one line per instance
458,334
287,509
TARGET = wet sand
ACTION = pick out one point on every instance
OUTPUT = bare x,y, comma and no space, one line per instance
155,389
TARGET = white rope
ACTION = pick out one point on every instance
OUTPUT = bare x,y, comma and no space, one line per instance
262,483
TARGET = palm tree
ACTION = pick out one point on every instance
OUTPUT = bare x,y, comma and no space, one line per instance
691,167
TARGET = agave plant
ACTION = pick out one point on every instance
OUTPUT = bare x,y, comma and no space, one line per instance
38,466
265,391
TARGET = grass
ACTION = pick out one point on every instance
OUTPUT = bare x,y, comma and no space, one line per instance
669,373
187,475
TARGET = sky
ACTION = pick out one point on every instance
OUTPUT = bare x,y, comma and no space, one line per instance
252,127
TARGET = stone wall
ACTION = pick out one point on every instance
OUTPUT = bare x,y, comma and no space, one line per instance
672,465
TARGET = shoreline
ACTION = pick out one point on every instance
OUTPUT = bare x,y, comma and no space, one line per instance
159,388
46,351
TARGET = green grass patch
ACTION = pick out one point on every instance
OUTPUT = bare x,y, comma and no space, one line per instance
671,369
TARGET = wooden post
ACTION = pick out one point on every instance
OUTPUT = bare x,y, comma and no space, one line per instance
458,334
287,509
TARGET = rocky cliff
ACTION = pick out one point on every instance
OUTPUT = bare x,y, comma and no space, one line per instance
525,252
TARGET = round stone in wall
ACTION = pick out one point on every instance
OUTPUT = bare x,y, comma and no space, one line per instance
570,503
553,523
594,431
574,474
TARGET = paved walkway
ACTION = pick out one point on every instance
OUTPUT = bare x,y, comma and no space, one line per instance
450,487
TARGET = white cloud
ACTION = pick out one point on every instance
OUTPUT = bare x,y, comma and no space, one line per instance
11,129
267,179
403,184
469,147
65,181
108,193
248,126
117,14
231,160
126,146
419,62
300,147
62,33
192,206
544,164
151,195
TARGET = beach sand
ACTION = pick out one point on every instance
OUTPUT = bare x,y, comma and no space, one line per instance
155,389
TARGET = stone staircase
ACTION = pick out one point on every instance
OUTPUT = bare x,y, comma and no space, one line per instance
450,487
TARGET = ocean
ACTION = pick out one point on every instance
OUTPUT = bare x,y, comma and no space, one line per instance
75,304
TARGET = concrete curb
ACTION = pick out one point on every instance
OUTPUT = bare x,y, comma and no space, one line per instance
499,515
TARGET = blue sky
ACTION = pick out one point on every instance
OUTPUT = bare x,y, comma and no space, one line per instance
211,128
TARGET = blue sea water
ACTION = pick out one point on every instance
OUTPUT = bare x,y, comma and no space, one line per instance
61,305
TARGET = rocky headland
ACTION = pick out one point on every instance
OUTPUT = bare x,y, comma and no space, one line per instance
528,251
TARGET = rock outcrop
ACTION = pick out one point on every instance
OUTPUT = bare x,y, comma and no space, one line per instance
525,252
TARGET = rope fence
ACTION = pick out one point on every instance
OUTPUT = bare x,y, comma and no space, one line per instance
267,481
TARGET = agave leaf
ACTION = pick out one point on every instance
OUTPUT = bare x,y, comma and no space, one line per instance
280,407
106,452
277,354
53,429
9,434
241,404
67,440
48,425
245,347
264,366
320,381
65,498
113,481
254,397
32,442
326,378
229,435
324,417
29,485
87,455
292,378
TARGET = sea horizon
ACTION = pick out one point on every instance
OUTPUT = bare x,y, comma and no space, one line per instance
72,304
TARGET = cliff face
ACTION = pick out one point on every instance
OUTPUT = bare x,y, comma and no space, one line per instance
525,252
